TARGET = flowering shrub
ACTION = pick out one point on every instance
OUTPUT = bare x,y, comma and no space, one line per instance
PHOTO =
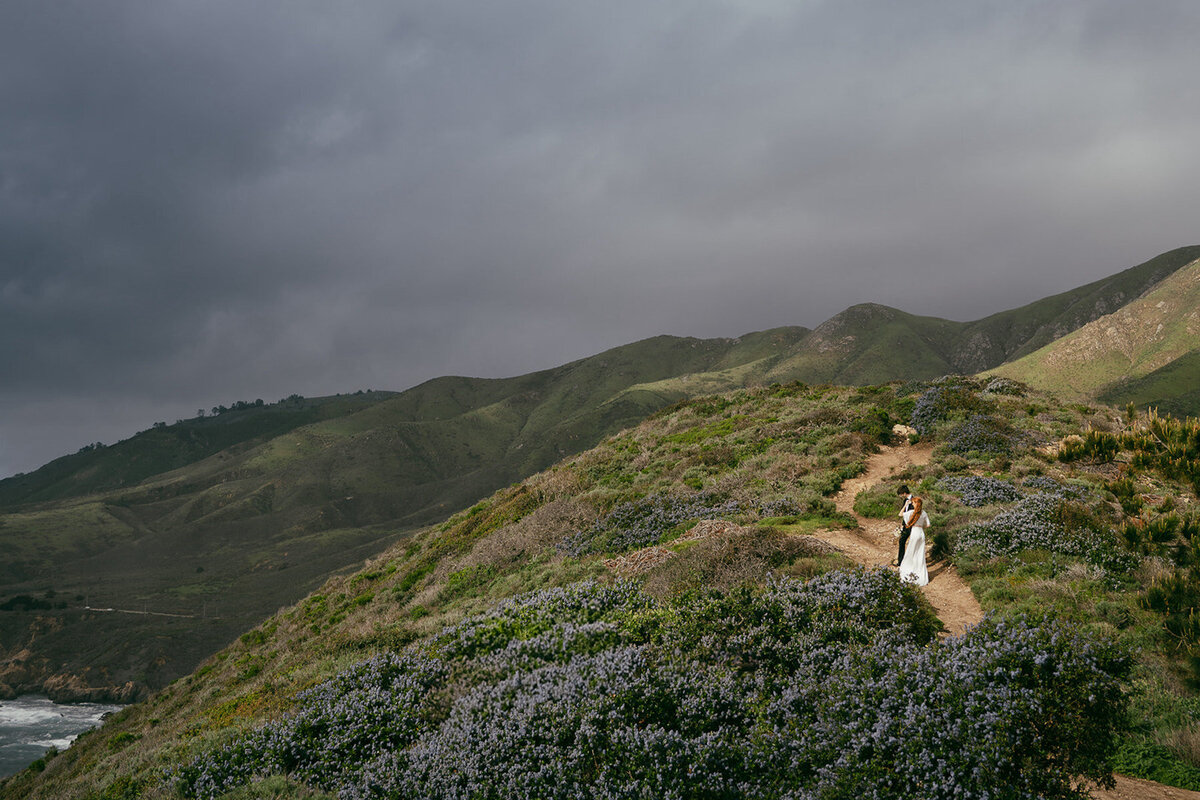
376,707
518,621
834,688
1007,386
780,507
644,522
941,402
977,491
615,724
1037,522
983,434
1051,486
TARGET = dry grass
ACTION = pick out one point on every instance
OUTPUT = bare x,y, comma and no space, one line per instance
542,528
1152,569
729,558
1184,742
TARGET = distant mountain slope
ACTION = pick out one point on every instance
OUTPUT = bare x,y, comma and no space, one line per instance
1009,335
226,518
1144,351
872,343
1173,389
166,447
227,538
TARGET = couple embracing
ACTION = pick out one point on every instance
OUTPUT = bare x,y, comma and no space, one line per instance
913,522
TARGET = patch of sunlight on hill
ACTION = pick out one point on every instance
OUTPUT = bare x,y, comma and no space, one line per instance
702,383
1144,336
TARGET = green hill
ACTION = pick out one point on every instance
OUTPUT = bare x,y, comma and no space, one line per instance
1172,389
872,343
869,344
215,522
1012,334
215,545
1145,352
163,447
587,625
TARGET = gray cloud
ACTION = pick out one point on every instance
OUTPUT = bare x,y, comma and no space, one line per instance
218,201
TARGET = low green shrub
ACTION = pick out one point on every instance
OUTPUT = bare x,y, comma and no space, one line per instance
1153,762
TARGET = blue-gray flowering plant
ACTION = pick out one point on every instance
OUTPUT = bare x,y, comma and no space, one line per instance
975,490
832,688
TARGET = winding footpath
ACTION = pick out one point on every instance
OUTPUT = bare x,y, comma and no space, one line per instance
951,598
873,544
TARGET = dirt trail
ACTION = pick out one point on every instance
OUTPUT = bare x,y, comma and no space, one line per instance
874,545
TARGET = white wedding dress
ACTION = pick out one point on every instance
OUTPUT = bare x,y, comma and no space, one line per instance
912,568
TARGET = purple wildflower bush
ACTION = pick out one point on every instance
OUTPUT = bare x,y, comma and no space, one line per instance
780,507
976,491
1051,486
1005,386
832,688
948,398
376,707
537,619
1037,523
983,434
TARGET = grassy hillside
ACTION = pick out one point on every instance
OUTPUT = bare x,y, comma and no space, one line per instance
1172,389
1069,517
217,521
226,539
1116,355
162,448
1012,334
869,344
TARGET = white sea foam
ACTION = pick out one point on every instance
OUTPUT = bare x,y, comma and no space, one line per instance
57,744
27,711
29,726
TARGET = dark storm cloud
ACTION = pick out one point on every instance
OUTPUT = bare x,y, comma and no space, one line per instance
203,202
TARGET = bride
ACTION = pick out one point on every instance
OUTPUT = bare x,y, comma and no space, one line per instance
912,567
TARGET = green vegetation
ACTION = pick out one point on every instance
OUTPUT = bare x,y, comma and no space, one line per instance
225,536
222,518
597,691
1172,389
642,492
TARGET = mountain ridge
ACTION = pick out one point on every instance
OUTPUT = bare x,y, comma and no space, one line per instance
509,592
1142,337
267,518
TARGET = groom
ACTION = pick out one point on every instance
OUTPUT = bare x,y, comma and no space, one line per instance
911,503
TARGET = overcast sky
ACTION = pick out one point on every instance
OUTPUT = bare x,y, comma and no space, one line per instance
203,202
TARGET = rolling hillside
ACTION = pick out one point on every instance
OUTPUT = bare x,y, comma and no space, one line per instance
687,586
872,343
194,532
212,547
1145,352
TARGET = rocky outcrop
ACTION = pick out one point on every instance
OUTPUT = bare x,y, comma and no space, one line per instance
22,673
67,688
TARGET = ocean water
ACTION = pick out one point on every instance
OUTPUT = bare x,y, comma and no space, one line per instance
30,725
